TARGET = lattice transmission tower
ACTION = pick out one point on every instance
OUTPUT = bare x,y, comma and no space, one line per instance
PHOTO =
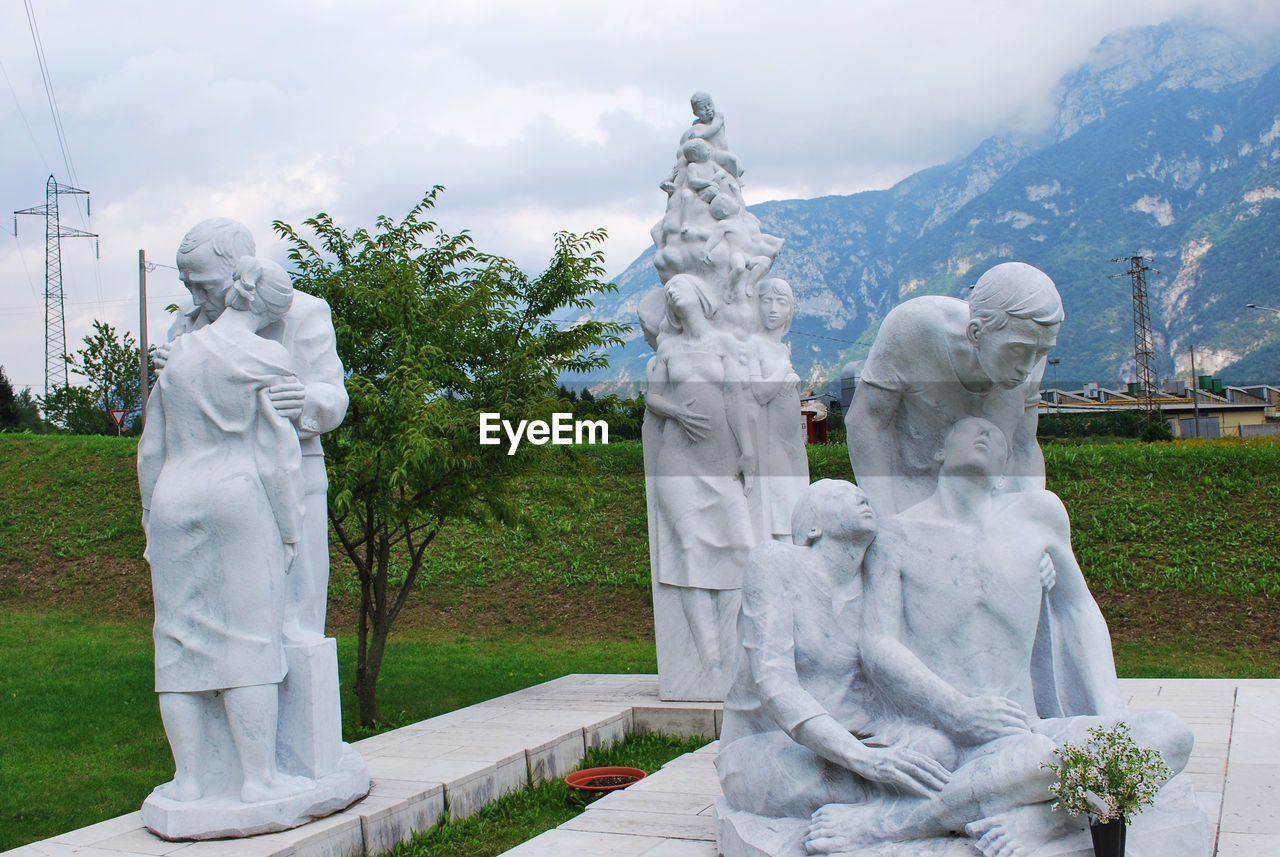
1144,349
55,327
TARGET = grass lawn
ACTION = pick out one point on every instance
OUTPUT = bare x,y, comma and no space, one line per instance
1178,541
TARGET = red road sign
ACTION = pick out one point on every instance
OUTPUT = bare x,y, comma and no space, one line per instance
118,416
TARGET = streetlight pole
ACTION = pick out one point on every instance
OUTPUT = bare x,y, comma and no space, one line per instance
144,383
1053,365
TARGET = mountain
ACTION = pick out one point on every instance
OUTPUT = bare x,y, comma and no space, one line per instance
1166,144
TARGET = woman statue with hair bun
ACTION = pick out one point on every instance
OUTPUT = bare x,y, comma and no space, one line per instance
220,473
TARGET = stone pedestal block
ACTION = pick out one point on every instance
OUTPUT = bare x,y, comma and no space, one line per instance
310,731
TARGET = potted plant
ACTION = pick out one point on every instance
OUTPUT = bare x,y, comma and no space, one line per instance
1110,779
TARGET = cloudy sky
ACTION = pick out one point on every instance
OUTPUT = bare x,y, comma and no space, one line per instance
537,117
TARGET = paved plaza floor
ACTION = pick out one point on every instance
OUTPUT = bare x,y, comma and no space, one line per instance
460,761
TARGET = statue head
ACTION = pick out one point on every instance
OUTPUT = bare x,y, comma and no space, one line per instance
724,206
261,287
835,509
652,310
1014,315
974,447
777,305
703,107
207,258
685,295
696,150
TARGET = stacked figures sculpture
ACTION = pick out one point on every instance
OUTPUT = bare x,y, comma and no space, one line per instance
916,656
723,442
233,493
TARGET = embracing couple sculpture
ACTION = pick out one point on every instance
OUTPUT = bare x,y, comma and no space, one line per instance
233,492
918,653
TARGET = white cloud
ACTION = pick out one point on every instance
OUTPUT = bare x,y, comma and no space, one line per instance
537,117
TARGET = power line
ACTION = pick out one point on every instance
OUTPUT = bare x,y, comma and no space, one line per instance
23,259
151,299
49,94
18,104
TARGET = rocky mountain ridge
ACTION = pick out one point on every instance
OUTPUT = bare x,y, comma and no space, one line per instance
1166,144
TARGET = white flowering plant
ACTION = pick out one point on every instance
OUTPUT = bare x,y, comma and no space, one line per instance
1107,777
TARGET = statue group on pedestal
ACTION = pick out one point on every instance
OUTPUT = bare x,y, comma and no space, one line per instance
912,661
723,437
233,492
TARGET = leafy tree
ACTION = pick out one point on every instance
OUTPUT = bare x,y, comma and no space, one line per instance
110,363
8,404
28,411
18,411
76,410
433,333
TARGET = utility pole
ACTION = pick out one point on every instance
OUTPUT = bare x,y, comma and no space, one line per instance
1144,350
55,326
1195,389
1053,366
142,341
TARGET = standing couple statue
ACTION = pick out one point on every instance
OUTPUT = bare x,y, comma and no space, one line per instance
913,659
723,438
233,493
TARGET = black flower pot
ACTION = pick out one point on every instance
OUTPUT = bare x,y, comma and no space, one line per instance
1108,838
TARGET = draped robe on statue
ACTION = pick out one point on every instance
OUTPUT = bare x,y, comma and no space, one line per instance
221,473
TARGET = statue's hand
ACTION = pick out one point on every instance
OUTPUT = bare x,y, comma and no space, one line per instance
986,718
696,425
287,398
1048,574
668,187
160,356
747,470
903,768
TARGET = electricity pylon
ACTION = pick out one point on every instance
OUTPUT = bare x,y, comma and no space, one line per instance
1144,349
55,327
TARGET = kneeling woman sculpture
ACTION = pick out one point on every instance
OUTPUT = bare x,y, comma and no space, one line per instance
220,473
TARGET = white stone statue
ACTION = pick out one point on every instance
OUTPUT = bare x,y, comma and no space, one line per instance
956,653
699,465
221,480
788,745
315,400
708,126
721,384
249,697
938,359
780,437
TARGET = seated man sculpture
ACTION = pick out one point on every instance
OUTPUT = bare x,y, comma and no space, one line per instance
951,616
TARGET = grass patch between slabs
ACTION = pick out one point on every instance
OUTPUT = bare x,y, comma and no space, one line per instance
522,815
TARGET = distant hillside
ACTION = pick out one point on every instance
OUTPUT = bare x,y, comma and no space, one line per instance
1166,143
